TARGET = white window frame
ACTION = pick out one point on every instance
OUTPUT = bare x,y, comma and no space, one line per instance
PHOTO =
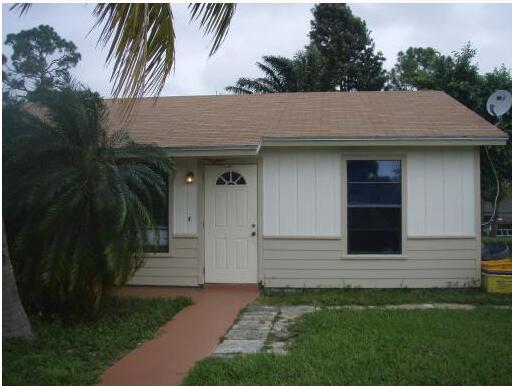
372,156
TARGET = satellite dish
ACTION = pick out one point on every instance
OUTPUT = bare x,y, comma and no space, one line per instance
499,103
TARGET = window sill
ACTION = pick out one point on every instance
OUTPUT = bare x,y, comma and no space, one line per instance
184,236
374,257
156,254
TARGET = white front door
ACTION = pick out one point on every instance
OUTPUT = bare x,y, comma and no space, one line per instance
230,224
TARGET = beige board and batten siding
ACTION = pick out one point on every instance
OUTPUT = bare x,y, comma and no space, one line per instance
439,252
301,193
179,267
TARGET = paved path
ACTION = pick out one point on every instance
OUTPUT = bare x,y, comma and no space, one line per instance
189,337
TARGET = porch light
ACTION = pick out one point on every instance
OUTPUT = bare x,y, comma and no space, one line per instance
189,178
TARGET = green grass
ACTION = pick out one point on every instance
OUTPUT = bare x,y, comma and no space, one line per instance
362,296
78,354
431,347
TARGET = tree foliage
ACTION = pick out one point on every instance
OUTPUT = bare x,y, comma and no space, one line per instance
340,56
349,52
41,60
421,68
77,201
425,68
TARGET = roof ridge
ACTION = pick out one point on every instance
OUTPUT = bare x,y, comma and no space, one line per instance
288,94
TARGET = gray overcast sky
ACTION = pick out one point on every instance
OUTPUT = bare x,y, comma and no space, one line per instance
281,29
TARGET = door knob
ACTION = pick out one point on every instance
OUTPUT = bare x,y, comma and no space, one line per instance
253,234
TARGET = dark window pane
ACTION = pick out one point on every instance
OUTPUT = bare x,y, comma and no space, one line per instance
158,239
374,242
374,219
373,171
374,194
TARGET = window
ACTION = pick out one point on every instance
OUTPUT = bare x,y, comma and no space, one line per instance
158,240
231,178
374,213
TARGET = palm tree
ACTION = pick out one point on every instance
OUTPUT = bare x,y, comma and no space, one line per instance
305,72
140,39
279,75
79,202
141,45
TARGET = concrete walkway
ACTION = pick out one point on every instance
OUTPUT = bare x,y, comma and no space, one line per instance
189,337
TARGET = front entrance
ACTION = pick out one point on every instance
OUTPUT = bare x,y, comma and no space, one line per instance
230,224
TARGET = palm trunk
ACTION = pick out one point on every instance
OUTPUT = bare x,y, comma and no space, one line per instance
14,320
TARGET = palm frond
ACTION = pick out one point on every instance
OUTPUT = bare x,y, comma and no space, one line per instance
215,19
238,90
21,7
141,38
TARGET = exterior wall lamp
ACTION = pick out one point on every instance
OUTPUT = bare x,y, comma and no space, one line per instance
189,178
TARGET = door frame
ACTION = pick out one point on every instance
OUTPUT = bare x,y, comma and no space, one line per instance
233,164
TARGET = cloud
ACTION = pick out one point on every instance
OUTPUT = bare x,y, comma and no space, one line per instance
280,29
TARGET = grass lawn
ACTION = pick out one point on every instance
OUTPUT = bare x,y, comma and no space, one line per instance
77,355
377,347
362,296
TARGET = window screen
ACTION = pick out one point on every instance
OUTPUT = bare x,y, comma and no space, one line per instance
374,213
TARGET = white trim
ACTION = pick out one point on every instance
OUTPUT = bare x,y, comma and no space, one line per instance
346,256
302,237
400,156
382,141
420,237
255,149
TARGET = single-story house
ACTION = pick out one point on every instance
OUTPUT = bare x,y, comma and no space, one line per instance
333,189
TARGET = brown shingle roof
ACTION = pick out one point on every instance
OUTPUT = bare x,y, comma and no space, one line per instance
230,120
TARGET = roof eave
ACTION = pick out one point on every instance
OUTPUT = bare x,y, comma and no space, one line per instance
222,151
254,149
384,141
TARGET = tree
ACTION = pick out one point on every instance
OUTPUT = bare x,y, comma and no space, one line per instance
78,202
41,60
501,156
140,39
425,68
349,52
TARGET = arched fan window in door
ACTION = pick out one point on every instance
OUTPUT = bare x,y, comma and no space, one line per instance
231,178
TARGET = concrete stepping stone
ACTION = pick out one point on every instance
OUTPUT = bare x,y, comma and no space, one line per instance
233,347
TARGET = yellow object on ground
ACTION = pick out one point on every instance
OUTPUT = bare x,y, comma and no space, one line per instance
497,283
497,266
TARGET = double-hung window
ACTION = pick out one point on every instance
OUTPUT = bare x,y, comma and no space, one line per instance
374,210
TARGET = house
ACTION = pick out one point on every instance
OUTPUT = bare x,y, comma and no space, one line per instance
369,189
